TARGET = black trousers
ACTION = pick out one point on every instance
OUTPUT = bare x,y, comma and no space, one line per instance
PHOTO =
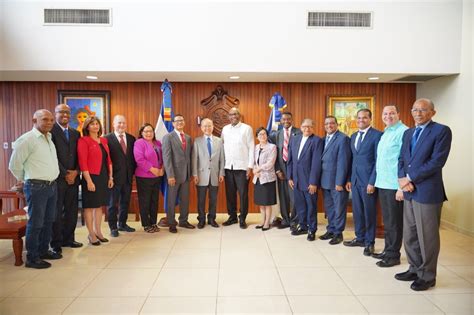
236,182
119,201
65,222
148,192
201,194
392,214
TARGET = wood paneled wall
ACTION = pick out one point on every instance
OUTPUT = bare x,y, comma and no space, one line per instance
140,102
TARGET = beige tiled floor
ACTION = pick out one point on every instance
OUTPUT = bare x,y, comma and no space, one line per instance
231,271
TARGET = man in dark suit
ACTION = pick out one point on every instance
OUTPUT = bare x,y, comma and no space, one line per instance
281,139
424,152
123,163
335,171
65,140
177,150
364,152
304,174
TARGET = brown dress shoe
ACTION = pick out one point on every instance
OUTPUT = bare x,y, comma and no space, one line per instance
173,229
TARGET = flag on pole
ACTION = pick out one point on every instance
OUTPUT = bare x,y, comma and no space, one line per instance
164,126
277,104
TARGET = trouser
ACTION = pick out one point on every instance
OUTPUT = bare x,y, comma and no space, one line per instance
201,194
392,214
306,209
119,201
148,190
335,204
364,212
182,192
287,202
236,182
65,222
42,206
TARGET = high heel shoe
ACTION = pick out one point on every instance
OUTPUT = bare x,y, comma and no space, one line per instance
96,243
259,226
265,228
102,240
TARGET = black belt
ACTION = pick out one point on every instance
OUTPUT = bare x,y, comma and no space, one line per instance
40,182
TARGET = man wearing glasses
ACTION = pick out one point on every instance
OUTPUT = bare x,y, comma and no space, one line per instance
304,174
424,152
177,148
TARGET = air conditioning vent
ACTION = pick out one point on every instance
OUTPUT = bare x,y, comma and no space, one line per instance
340,19
77,16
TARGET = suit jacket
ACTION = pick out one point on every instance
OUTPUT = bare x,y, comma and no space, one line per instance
66,150
123,164
208,169
277,138
306,170
147,157
90,154
424,165
336,161
176,161
266,163
363,160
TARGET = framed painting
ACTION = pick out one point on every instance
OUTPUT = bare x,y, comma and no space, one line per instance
87,103
345,108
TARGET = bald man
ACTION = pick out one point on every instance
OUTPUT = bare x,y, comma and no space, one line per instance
34,163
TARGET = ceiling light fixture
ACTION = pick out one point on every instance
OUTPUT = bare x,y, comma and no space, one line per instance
373,78
234,77
91,77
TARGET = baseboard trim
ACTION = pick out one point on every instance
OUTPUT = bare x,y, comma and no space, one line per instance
451,226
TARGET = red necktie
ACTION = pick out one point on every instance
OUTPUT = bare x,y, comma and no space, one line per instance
286,139
122,144
183,141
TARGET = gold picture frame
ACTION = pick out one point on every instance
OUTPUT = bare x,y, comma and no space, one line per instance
345,108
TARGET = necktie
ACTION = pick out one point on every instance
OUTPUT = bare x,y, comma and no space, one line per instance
66,134
122,144
209,148
328,139
415,137
183,141
286,140
359,141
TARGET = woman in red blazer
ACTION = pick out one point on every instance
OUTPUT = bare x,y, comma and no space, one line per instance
96,167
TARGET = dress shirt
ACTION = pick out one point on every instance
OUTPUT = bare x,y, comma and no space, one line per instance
303,141
238,146
363,136
388,151
34,157
124,137
208,142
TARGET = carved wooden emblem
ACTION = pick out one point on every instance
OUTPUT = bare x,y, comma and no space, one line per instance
217,107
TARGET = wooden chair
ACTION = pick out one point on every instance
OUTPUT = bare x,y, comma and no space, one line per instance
16,200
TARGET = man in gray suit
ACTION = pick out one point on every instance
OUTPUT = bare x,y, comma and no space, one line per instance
336,161
177,148
208,171
281,139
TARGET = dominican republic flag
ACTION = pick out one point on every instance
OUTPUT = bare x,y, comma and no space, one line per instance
164,126
277,104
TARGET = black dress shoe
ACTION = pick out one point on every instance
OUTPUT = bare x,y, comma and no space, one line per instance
186,225
173,229
37,264
379,255
406,276
102,240
422,285
114,233
354,243
213,223
368,250
326,236
230,221
201,225
299,231
50,255
283,226
337,239
125,228
72,244
388,262
266,228
58,250
243,225
311,236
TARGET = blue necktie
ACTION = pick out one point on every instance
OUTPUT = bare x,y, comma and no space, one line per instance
328,139
209,148
415,137
359,141
66,134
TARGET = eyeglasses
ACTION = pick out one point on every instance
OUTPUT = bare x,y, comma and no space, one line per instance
306,126
179,120
63,112
419,110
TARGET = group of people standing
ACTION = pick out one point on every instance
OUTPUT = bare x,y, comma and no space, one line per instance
401,166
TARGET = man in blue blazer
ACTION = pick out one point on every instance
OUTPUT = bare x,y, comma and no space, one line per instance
364,154
424,152
336,159
304,174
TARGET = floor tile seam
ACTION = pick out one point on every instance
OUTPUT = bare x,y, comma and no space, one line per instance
38,272
219,267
